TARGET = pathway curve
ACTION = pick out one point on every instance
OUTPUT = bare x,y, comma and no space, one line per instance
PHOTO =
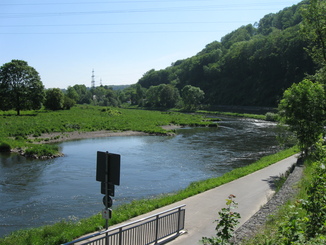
251,191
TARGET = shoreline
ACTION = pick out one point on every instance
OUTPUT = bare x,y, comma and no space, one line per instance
57,137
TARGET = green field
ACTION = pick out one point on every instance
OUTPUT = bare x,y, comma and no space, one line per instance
15,130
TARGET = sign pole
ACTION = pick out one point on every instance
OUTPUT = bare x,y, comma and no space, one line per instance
106,195
108,173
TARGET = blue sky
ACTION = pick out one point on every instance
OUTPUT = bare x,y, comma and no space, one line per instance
64,40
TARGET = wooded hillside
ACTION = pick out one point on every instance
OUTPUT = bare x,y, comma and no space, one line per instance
251,66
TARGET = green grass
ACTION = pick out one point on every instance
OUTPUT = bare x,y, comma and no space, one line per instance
14,130
68,230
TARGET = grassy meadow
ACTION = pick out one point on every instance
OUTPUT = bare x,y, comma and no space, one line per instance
14,130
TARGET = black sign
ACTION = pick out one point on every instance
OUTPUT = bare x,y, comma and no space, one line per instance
110,189
109,202
108,164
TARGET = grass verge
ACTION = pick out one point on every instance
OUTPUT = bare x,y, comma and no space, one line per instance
67,230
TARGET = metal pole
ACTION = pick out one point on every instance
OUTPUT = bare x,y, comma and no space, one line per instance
106,195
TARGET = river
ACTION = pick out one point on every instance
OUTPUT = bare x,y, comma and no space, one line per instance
35,192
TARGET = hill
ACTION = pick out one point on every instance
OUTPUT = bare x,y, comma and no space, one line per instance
250,66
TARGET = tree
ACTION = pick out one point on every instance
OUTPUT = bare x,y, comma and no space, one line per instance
54,99
20,87
191,96
314,22
302,108
169,96
84,95
72,94
68,103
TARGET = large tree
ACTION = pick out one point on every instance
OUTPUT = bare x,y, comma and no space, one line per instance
302,108
192,97
313,27
54,99
20,87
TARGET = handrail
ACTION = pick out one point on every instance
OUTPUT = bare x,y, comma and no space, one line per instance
142,219
125,225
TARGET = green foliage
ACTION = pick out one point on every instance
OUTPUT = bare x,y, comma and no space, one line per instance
271,117
192,97
81,93
225,225
303,109
251,66
41,150
4,147
162,96
315,205
68,102
54,99
87,119
20,87
313,29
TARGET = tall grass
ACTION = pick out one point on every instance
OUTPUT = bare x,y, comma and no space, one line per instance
68,230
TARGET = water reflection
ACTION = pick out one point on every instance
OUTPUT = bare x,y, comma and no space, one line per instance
34,193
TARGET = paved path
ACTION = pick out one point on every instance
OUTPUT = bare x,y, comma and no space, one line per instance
251,191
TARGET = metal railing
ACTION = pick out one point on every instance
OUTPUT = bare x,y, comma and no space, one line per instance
150,230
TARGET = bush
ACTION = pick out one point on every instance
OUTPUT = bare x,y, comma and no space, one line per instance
5,147
270,116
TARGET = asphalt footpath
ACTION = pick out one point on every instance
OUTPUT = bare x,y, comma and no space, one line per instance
251,191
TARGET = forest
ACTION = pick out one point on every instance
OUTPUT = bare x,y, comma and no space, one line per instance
251,66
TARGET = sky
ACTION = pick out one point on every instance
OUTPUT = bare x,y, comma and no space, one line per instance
65,40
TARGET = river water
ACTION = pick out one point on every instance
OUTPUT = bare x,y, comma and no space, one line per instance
35,192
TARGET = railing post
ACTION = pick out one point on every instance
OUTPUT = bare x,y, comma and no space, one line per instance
156,232
179,219
120,236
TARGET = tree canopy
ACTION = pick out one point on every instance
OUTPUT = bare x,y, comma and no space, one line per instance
250,66
54,99
303,109
20,87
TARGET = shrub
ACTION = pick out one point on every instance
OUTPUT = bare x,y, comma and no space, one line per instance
270,116
5,147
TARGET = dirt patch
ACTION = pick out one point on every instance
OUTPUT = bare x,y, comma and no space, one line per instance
65,136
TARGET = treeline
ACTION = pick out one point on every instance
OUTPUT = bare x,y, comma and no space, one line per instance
250,66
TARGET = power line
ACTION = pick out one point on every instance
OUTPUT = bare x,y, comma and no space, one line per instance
124,2
214,7
108,32
126,24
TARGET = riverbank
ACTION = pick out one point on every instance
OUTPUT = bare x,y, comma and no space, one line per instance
80,122
57,137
